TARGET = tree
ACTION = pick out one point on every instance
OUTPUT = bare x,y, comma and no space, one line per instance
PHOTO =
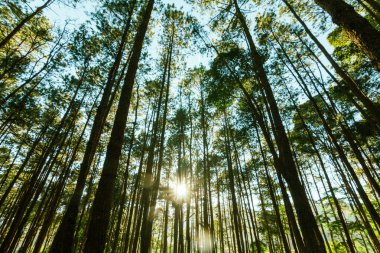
99,219
247,131
359,30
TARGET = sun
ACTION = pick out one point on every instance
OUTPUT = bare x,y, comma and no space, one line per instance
180,190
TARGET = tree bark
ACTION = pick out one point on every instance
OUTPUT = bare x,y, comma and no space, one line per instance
358,29
98,225
64,239
285,164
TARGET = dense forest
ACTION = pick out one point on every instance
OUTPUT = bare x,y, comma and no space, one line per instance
190,126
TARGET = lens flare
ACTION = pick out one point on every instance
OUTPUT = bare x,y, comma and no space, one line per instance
180,190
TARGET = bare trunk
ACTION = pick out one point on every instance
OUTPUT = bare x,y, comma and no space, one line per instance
98,225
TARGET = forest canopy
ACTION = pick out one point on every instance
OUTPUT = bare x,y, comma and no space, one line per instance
190,126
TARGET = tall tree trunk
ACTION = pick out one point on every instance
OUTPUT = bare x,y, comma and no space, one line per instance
64,238
313,239
146,238
125,178
358,29
98,225
149,184
135,187
29,188
339,149
375,5
205,204
350,83
349,241
231,182
20,25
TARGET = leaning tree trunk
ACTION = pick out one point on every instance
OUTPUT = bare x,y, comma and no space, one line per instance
285,164
375,5
358,29
309,134
23,22
348,80
146,238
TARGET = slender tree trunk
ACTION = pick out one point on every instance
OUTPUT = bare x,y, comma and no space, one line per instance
125,179
149,183
131,213
375,5
206,225
342,155
147,238
231,182
29,188
348,81
64,238
313,239
23,22
331,189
